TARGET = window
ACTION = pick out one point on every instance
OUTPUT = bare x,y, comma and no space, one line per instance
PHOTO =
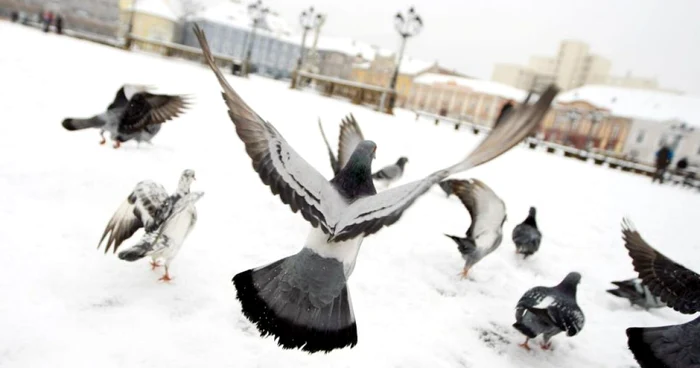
640,136
615,132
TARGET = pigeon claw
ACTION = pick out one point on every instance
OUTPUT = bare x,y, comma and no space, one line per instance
166,277
546,346
154,264
103,141
464,273
117,144
525,345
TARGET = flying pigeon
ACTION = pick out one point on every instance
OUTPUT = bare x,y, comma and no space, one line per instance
527,236
488,213
638,294
134,114
350,137
166,219
549,311
674,346
303,300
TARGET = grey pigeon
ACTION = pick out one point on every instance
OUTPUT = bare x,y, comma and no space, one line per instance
303,300
638,294
350,137
527,236
166,219
548,311
674,346
134,114
488,213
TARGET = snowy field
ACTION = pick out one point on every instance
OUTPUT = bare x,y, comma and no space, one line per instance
65,304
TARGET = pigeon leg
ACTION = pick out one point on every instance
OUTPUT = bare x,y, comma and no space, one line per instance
166,277
464,272
102,135
525,345
154,264
546,345
117,144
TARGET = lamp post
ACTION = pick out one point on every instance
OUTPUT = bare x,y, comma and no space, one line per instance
596,117
257,12
573,116
130,28
407,25
309,20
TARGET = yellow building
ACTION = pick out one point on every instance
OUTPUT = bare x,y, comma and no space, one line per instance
152,19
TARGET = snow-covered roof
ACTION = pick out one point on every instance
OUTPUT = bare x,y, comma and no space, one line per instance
477,85
346,46
157,8
411,66
638,103
236,14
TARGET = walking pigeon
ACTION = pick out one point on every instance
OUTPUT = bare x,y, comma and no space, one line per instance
527,236
134,114
547,311
350,137
302,300
167,220
638,294
488,213
674,346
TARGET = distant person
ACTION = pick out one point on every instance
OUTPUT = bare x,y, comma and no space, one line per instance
14,16
664,156
48,19
505,109
59,24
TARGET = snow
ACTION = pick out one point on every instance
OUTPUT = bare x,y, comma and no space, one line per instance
347,46
66,303
476,85
157,8
638,103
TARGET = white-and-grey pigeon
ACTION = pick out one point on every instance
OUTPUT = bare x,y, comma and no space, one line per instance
488,213
166,219
638,294
548,311
134,114
350,136
674,346
303,300
527,236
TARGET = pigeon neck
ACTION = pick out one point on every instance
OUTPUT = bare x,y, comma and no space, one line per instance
401,163
354,181
530,220
568,288
183,187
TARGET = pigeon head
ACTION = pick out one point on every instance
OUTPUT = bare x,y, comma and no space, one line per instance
533,211
364,153
573,278
570,282
402,161
186,180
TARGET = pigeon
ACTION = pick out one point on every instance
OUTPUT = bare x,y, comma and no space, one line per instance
350,137
488,213
549,311
135,114
302,300
527,236
166,219
446,186
638,294
674,346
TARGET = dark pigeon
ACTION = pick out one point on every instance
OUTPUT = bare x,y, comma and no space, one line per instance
303,300
548,311
674,346
637,294
527,236
488,213
134,114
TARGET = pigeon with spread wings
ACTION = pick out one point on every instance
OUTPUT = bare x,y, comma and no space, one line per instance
135,114
672,346
488,213
302,300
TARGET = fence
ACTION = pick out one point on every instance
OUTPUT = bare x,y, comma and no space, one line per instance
357,93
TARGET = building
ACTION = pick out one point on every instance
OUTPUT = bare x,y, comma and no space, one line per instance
337,55
94,16
630,81
157,20
474,100
627,122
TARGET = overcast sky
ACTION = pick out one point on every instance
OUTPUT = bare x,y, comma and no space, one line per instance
647,37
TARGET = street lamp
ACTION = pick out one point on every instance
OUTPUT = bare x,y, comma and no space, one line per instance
257,12
407,25
309,20
596,117
127,41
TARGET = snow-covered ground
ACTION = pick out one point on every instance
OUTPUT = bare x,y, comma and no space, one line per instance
65,304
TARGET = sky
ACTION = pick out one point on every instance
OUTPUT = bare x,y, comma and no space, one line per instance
650,38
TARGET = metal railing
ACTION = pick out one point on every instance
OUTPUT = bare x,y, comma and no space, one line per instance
358,93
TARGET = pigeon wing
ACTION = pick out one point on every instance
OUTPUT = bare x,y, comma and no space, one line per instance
350,136
335,165
287,174
138,210
676,285
567,316
125,93
151,109
369,214
487,210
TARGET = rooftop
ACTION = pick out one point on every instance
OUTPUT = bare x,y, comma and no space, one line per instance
478,85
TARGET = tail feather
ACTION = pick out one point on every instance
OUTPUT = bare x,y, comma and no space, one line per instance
464,245
78,124
524,330
134,253
640,340
276,301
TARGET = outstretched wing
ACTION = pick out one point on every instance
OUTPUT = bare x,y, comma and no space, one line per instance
334,161
138,210
487,210
369,214
125,93
676,285
146,109
287,174
350,136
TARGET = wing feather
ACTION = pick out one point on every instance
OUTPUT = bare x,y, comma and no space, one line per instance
335,165
350,136
487,210
146,109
